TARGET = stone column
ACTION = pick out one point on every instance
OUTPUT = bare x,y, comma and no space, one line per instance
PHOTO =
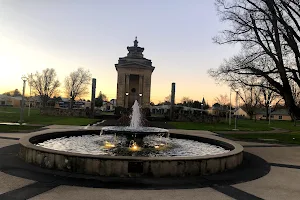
121,90
172,101
146,89
93,97
127,76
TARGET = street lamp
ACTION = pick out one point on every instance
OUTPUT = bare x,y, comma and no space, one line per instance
236,109
230,108
30,83
270,114
24,79
201,110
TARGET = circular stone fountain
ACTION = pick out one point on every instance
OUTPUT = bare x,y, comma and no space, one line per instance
131,151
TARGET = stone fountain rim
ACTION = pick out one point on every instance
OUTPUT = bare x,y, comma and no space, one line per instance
25,142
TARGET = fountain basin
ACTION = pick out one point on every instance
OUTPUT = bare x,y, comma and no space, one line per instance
128,166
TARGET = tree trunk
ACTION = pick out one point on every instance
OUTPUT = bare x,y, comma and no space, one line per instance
287,94
291,106
71,103
267,113
44,101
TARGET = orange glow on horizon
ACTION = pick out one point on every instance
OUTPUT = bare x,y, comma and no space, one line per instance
21,59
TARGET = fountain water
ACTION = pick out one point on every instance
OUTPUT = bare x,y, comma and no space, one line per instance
135,125
136,116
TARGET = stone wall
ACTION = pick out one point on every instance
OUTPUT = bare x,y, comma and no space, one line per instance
65,112
129,168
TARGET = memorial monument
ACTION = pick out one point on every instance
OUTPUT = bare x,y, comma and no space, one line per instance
134,80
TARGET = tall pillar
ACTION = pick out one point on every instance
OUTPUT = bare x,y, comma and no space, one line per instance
127,76
146,89
172,101
93,97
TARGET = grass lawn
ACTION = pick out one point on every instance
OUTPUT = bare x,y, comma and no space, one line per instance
8,114
107,113
293,137
243,125
16,128
288,138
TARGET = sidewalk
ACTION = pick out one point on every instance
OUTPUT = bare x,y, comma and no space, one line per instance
275,130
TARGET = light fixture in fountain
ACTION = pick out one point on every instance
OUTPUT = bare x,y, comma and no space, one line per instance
133,146
160,146
109,145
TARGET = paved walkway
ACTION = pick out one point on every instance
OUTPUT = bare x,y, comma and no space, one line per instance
269,172
275,130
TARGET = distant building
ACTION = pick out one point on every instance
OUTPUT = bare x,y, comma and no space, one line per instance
5,100
108,106
80,104
113,102
64,103
241,113
35,102
218,110
280,114
10,101
165,109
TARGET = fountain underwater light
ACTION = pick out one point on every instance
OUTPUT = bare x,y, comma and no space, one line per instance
133,146
109,145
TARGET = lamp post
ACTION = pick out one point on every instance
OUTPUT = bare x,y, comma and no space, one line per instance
270,114
236,105
30,82
230,108
22,103
201,110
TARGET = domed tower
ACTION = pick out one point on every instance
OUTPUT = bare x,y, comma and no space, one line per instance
134,79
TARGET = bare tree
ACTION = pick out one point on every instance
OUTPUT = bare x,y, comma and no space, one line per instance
264,28
100,99
250,97
168,99
13,93
267,98
222,100
187,101
45,84
76,84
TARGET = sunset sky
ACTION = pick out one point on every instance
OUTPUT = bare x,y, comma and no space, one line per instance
67,34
